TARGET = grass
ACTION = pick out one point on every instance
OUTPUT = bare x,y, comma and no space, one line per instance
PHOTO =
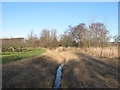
108,52
13,56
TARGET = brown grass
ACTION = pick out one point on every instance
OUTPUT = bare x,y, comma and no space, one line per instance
108,52
82,69
38,72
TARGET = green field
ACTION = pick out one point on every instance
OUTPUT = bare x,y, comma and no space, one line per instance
13,56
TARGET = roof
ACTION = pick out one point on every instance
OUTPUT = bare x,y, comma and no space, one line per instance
11,38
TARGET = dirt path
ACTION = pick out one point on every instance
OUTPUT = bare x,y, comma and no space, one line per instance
80,70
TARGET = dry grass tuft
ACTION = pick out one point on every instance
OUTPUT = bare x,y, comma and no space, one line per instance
59,49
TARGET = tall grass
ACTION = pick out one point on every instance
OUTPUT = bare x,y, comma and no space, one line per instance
108,52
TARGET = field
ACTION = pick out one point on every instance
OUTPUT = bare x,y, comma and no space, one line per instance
60,45
13,56
81,70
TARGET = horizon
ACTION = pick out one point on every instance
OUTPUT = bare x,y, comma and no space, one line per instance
20,18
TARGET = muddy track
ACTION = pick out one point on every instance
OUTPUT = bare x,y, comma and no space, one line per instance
79,71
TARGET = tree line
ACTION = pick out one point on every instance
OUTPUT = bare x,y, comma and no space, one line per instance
81,35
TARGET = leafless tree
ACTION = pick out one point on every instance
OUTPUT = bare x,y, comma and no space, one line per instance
98,34
48,38
32,40
79,33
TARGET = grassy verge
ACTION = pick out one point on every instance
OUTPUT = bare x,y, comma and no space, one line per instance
13,56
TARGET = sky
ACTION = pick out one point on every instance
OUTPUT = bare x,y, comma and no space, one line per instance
20,18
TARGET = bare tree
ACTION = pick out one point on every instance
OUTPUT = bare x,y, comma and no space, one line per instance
98,34
53,38
79,33
48,38
32,40
66,40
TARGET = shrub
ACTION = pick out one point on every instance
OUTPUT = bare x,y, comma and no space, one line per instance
11,49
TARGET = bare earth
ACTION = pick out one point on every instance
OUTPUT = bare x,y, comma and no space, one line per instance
80,71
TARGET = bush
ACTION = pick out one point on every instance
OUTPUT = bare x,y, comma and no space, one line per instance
11,49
